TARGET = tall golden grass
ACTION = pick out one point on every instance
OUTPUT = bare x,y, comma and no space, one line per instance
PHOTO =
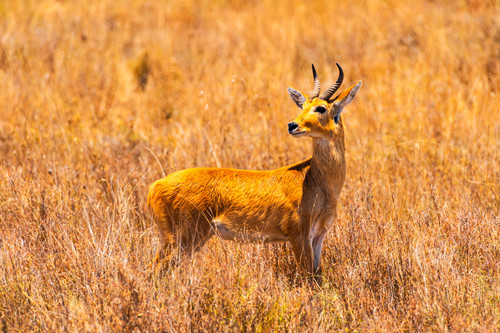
100,98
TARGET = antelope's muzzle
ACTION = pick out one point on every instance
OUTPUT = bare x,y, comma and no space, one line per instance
292,126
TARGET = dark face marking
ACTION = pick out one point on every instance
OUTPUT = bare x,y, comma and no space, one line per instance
336,118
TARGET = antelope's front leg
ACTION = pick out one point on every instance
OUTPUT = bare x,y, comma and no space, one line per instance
302,249
317,244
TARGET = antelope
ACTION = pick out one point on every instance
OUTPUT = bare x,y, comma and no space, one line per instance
296,203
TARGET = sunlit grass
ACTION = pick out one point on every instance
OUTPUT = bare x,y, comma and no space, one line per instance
99,98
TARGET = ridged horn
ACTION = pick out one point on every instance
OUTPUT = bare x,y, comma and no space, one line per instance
327,94
315,92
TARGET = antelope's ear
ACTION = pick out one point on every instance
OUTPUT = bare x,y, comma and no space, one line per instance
346,97
297,97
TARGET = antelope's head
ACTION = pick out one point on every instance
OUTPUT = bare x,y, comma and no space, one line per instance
321,114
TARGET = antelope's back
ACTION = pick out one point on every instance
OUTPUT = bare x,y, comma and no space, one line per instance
214,191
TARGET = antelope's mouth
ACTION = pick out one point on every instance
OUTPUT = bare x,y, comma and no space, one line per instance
297,133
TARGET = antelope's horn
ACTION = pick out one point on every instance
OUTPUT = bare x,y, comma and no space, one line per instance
327,94
315,92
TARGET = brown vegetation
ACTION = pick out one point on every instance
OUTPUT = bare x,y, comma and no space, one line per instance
99,98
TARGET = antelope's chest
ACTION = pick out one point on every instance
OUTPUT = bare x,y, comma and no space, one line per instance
323,222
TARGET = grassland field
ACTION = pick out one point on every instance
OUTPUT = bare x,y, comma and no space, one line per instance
98,99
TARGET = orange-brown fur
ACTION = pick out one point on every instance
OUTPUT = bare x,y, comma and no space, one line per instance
296,203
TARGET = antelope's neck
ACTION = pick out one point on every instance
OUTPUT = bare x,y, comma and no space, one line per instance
328,167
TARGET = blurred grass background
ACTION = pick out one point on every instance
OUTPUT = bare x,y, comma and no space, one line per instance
99,98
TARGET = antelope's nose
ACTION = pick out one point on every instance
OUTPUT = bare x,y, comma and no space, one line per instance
292,126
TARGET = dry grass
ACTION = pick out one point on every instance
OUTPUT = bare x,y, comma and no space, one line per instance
95,95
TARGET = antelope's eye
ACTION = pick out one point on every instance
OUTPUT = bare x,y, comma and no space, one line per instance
320,109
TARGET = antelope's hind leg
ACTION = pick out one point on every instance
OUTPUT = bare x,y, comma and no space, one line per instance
182,242
192,239
165,256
